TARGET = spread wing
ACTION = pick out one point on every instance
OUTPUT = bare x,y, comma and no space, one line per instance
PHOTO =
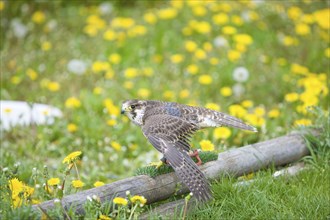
170,135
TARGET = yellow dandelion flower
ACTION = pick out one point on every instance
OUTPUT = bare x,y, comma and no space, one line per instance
112,122
115,145
15,80
168,94
244,39
237,20
302,29
274,113
291,97
32,74
229,30
72,157
247,103
200,54
206,145
199,10
16,186
150,18
255,120
38,17
143,93
190,46
148,71
327,52
114,58
72,128
233,55
220,19
2,5
130,73
120,201
98,184
97,90
226,91
72,102
167,13
302,122
177,58
290,41
205,79
212,106
128,84
237,111
77,183
45,46
207,46
203,27
299,69
109,35
192,69
138,199
104,217
214,61
221,133
53,181
322,18
294,13
100,66
53,86
259,111
184,93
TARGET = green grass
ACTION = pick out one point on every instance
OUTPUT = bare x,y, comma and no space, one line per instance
272,75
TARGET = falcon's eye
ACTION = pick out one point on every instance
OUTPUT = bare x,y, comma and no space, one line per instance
132,106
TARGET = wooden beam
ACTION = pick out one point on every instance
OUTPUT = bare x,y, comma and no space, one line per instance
239,161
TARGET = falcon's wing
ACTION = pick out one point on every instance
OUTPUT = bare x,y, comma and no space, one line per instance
169,135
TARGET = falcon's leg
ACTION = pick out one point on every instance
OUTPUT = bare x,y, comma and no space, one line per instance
195,154
164,160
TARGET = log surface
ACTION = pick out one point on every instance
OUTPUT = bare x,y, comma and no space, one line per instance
279,151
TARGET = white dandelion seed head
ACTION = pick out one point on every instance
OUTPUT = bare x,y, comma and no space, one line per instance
57,201
128,192
77,66
89,198
220,42
17,164
5,169
37,186
238,90
95,197
105,8
240,74
19,29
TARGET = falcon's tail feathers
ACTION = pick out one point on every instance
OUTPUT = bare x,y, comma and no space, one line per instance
189,173
231,121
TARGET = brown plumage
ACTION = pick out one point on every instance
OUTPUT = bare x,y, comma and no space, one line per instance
168,126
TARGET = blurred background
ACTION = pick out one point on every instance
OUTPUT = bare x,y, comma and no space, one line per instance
266,62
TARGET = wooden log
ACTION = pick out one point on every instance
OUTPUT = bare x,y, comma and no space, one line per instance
279,151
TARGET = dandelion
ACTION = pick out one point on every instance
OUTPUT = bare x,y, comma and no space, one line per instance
77,66
98,184
184,93
206,145
150,18
200,54
237,111
53,181
274,113
2,5
229,30
259,111
291,97
97,90
222,133
114,58
255,120
322,18
302,29
115,145
192,69
247,103
77,183
100,66
244,39
214,61
20,30
45,46
130,73
168,94
72,128
38,17
327,52
302,122
240,74
53,86
143,93
226,91
138,199
238,89
294,13
220,19
33,75
233,55
111,122
205,79
220,42
72,157
212,106
110,35
72,102
190,46
177,58
203,27
167,13
104,217
120,201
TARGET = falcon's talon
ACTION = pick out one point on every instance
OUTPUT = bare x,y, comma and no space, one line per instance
196,154
168,127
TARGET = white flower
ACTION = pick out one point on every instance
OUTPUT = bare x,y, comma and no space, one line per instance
220,42
52,24
105,8
5,169
37,186
240,74
77,66
89,198
238,89
19,29
57,201
128,192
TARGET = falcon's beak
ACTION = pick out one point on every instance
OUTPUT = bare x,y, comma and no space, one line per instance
122,111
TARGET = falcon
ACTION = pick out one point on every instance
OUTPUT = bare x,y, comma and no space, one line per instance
168,126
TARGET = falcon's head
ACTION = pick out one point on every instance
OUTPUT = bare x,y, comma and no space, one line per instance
134,109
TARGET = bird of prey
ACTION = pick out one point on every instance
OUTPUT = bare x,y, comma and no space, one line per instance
168,126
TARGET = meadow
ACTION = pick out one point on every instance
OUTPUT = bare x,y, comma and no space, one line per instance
265,62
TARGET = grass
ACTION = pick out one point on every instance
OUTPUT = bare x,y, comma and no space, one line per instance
284,47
